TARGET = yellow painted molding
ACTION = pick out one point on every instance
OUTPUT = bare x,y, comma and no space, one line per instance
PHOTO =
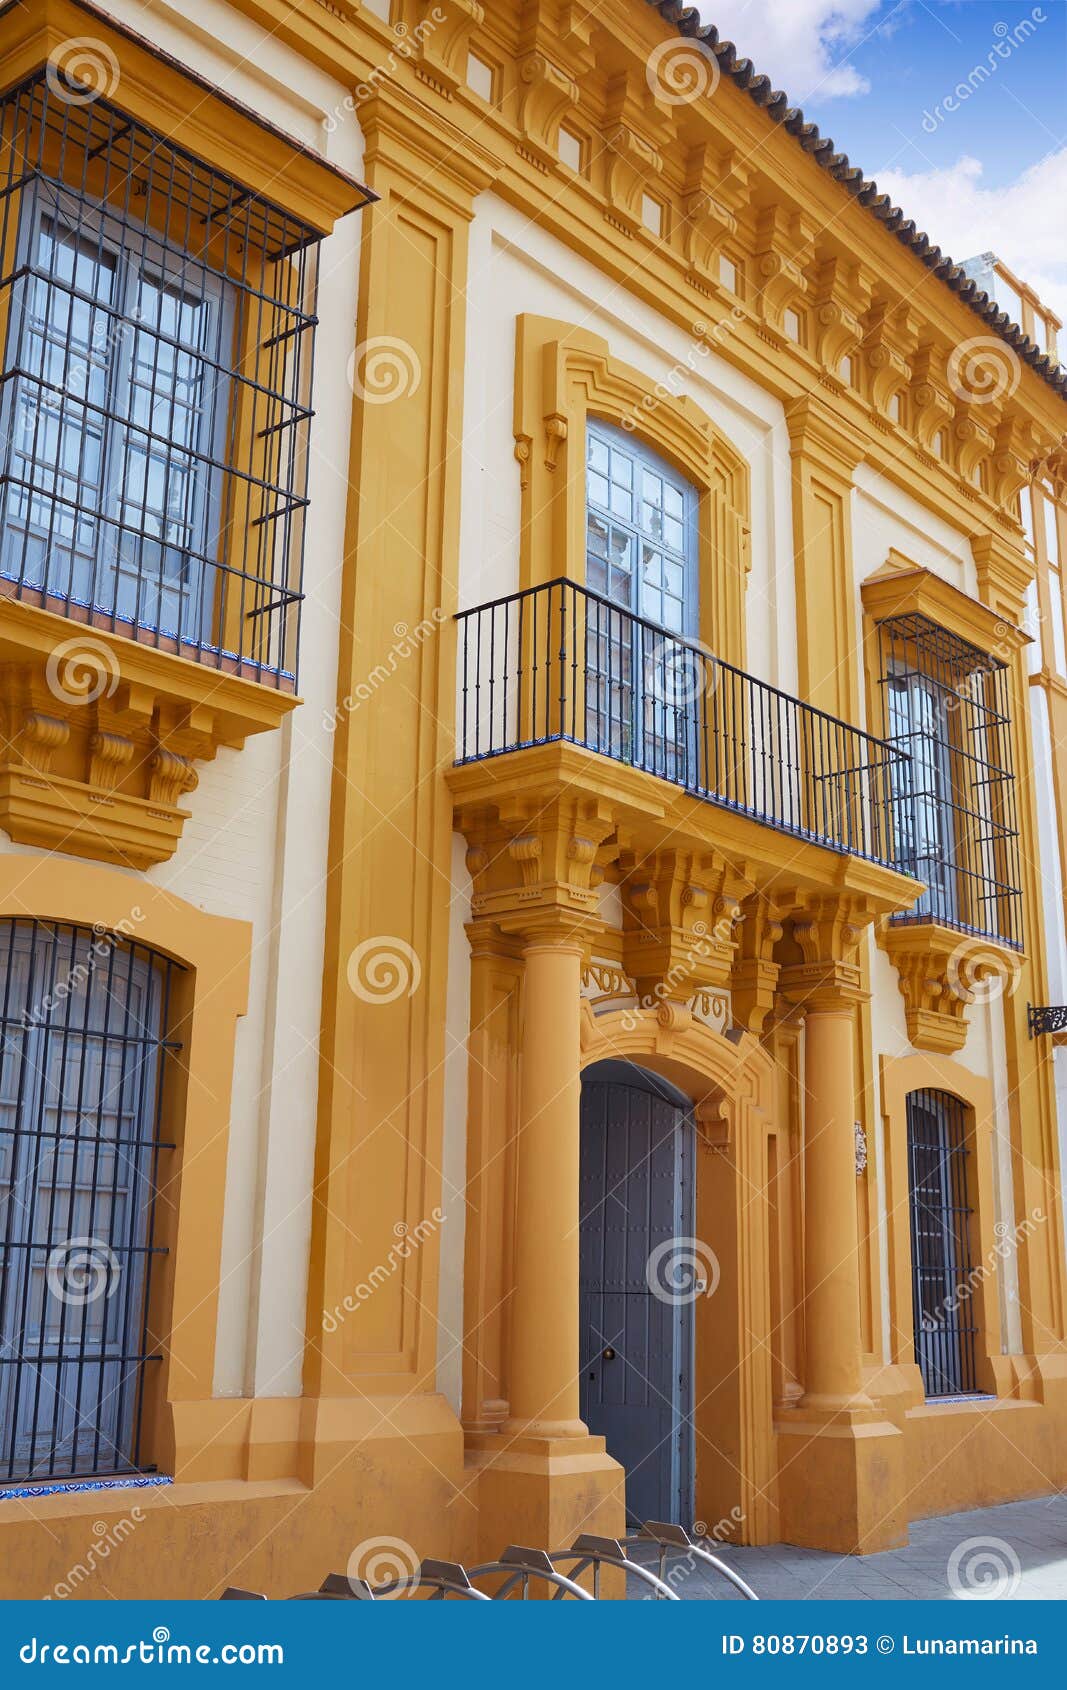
904,588
209,995
566,375
650,814
936,1071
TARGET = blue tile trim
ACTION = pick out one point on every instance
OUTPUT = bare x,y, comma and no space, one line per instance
76,1485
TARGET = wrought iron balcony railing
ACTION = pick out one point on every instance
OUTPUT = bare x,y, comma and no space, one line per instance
559,662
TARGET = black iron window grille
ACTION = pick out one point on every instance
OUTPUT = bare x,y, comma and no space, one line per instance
83,1068
560,662
941,1263
157,323
947,704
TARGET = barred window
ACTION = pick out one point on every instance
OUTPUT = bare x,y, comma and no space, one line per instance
946,703
155,396
83,1071
941,1262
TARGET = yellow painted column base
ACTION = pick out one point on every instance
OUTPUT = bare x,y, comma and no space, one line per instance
842,1487
542,1493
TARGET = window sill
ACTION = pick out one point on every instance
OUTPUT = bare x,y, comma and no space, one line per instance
102,732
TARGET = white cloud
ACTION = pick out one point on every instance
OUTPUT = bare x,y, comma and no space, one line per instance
797,43
1022,222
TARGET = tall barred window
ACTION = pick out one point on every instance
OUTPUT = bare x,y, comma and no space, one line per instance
941,1262
946,703
157,325
84,1070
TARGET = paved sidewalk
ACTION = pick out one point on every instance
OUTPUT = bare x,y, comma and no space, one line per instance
1018,1550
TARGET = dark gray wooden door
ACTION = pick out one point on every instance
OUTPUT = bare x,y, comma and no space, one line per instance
636,1377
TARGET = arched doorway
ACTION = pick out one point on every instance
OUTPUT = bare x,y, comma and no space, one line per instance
638,1282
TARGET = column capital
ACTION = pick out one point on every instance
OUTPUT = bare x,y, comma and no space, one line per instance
537,859
825,975
754,982
681,912
818,433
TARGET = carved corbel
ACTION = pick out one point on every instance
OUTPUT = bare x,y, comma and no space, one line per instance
782,249
707,224
535,854
941,973
708,219
974,443
839,295
170,776
681,913
1051,466
110,755
442,40
633,164
755,975
39,738
826,935
932,406
714,1119
889,343
548,93
1012,459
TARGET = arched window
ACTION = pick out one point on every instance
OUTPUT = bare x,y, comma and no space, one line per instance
641,559
82,1071
941,1263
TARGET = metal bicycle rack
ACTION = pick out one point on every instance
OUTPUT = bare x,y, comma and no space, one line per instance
523,1564
443,1578
519,1565
663,1536
596,1552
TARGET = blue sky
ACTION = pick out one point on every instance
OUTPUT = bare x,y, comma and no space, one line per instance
990,174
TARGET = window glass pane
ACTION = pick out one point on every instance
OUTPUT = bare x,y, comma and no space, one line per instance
598,455
1052,533
621,500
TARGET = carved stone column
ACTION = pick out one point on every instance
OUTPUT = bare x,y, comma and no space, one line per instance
544,1345
842,1472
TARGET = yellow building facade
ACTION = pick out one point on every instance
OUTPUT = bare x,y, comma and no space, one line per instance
526,865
